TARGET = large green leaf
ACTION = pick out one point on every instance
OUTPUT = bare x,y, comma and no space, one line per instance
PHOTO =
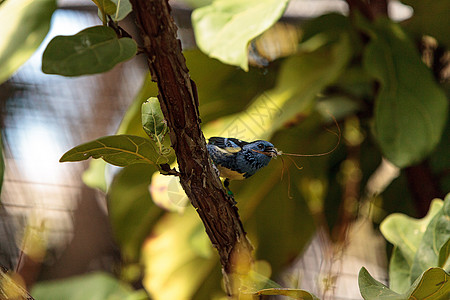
23,26
406,233
93,50
224,28
118,150
94,286
410,109
430,18
131,210
436,235
433,284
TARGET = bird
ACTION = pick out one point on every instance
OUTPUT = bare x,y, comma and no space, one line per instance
237,160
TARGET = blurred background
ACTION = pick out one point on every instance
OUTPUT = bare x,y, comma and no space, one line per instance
54,226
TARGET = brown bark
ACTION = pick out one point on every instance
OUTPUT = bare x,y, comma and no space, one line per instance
179,104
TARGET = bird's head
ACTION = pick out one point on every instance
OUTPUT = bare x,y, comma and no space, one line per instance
262,149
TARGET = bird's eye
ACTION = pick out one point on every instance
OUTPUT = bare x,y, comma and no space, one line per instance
261,146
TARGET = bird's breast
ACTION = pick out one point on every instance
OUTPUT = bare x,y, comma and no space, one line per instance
230,174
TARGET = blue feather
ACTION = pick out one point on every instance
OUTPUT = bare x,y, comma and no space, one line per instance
236,159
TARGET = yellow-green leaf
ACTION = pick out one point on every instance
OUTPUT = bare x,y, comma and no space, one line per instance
436,235
224,28
118,150
23,26
405,232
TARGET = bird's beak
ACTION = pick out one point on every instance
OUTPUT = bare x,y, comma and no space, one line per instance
271,151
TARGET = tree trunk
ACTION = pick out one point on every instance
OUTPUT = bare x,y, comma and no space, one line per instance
179,104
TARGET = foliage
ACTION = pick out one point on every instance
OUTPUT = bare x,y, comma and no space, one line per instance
93,50
411,108
433,284
19,20
118,150
94,286
406,234
367,73
154,124
419,263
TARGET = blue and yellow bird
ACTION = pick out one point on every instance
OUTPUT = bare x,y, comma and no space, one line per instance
238,160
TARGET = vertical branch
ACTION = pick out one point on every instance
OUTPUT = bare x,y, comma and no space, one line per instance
179,104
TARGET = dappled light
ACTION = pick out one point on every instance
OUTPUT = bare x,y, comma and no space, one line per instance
293,149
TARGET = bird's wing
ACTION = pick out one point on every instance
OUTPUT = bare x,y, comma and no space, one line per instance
238,142
231,145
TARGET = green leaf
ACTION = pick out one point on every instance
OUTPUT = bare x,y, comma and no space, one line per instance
406,233
106,7
153,120
23,26
292,293
430,18
224,29
399,271
432,285
93,286
93,50
118,150
410,109
131,210
372,289
444,254
436,235
124,8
